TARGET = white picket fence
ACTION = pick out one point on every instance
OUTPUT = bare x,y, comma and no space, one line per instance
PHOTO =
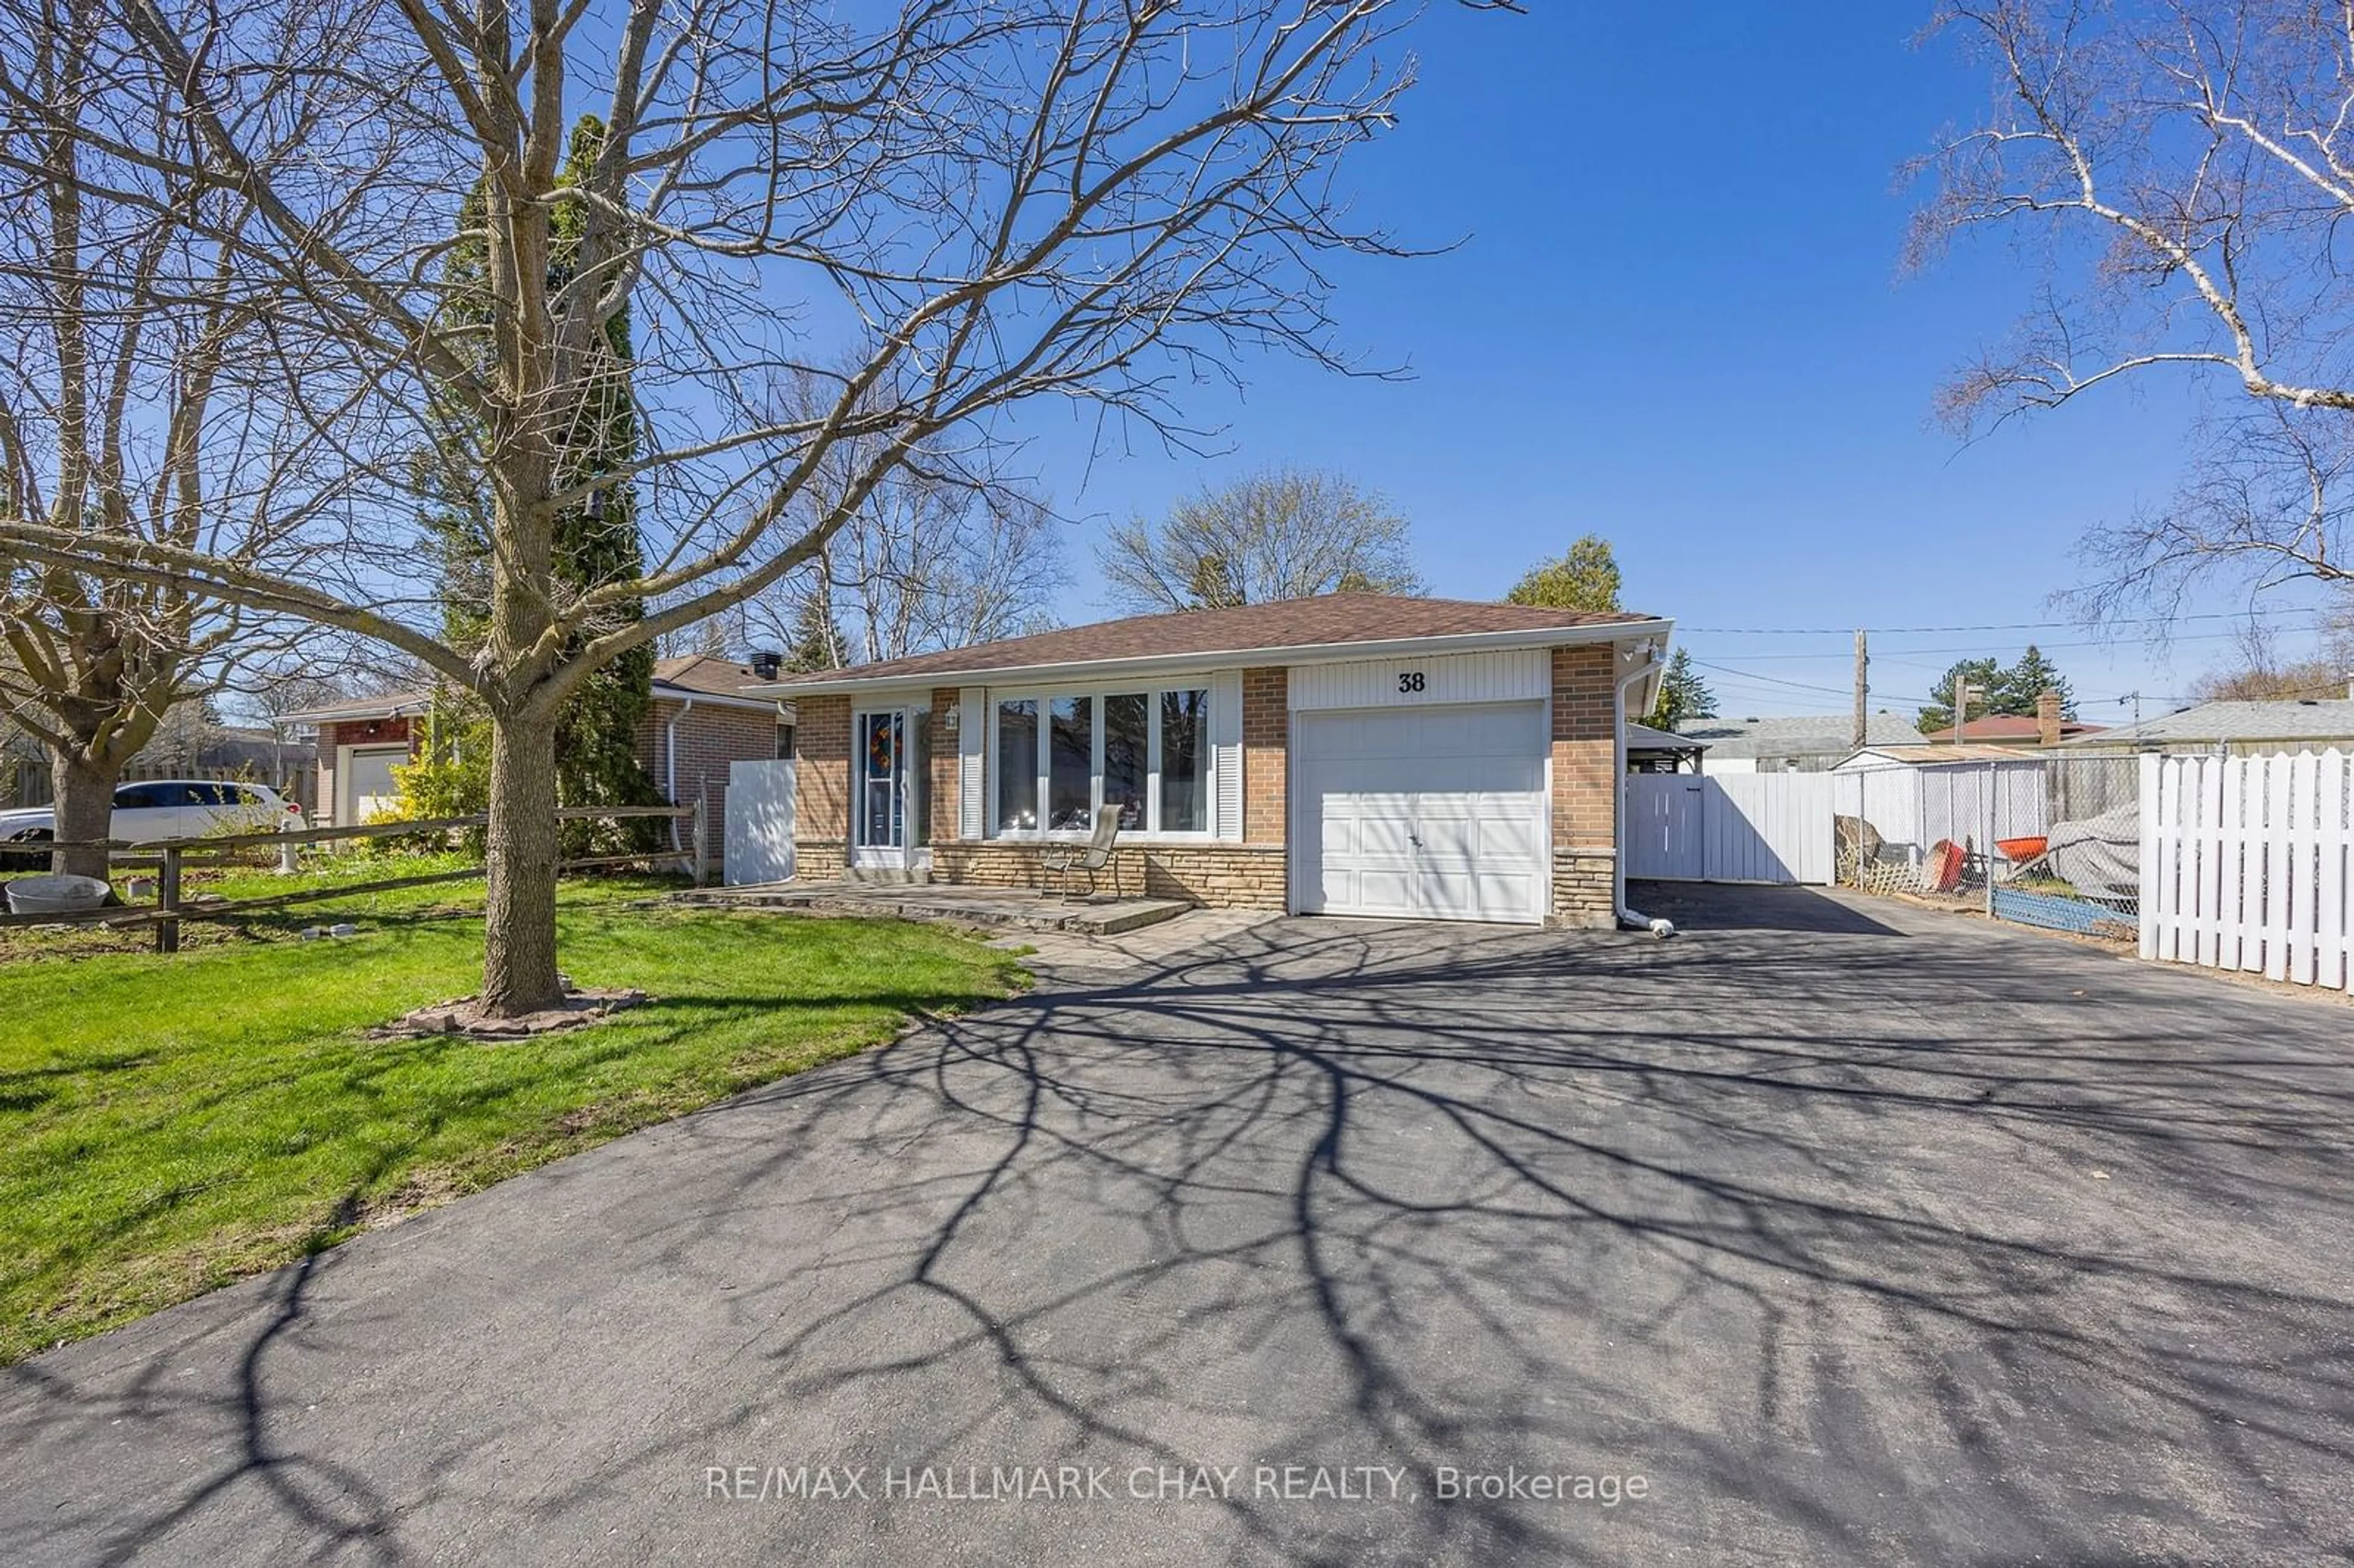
1740,827
2244,864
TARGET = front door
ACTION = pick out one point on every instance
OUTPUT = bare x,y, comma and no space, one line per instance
879,802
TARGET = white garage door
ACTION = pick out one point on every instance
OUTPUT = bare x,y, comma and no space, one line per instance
368,787
1431,812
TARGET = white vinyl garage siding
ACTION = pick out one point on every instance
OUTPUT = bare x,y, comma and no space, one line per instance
1422,807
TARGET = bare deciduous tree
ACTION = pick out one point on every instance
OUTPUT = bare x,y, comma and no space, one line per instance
980,201
2181,170
1282,534
2261,672
131,416
931,561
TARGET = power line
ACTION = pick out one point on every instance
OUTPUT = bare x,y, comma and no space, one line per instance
2012,626
1772,680
1895,654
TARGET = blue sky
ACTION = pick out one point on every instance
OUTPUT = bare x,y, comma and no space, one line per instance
1679,319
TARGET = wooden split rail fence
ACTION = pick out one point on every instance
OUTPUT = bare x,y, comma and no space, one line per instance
169,910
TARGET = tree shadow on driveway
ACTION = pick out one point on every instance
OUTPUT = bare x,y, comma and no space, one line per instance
1855,1245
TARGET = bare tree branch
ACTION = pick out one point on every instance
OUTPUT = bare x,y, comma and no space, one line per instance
2181,170
935,212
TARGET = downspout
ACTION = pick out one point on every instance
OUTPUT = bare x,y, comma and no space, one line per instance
669,767
1628,919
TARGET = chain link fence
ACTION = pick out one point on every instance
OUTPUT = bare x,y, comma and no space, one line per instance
2040,840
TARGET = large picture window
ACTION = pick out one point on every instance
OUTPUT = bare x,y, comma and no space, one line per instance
1017,785
1127,758
1186,761
1061,757
1071,764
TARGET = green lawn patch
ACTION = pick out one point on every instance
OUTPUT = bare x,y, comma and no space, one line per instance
168,1125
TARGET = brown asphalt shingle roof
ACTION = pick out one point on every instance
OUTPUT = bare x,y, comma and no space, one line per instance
702,672
2011,727
1330,619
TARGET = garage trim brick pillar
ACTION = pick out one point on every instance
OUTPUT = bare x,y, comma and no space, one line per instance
1584,810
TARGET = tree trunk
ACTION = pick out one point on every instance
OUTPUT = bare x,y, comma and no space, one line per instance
519,973
83,809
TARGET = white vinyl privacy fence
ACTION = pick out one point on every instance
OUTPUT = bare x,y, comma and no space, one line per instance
1741,827
2244,864
759,837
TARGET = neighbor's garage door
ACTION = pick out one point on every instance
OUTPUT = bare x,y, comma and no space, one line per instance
1429,812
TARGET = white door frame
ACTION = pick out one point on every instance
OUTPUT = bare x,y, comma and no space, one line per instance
895,856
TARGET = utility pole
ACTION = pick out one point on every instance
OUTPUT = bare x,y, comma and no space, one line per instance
1963,692
1862,690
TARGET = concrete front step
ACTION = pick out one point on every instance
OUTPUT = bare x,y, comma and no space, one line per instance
958,906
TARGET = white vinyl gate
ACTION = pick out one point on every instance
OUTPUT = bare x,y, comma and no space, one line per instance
1741,827
759,841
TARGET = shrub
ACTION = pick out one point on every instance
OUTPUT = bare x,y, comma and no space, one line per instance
450,777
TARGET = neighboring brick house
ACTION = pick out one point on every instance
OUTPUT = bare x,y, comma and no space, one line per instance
1355,754
702,718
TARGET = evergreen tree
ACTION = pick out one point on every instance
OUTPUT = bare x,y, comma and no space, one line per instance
1585,576
594,542
2005,689
2020,685
1938,712
1684,695
817,641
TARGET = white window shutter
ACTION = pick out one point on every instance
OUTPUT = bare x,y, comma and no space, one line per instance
972,751
1226,750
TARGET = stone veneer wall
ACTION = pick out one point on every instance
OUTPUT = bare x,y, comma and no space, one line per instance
1218,875
1584,788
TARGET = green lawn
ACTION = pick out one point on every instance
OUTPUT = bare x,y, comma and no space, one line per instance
168,1125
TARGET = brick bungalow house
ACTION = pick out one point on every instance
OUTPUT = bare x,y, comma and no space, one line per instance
1355,754
706,713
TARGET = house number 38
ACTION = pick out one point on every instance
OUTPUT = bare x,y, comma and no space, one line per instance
1410,681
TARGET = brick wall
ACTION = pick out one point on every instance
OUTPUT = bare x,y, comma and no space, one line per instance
1585,786
946,768
710,737
821,785
370,731
1266,738
1220,876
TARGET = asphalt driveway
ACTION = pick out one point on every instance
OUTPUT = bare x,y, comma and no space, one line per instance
1830,1232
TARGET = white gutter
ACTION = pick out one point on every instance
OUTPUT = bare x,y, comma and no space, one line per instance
664,691
670,766
1629,919
1098,669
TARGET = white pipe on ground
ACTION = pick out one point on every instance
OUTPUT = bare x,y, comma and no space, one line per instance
1629,919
